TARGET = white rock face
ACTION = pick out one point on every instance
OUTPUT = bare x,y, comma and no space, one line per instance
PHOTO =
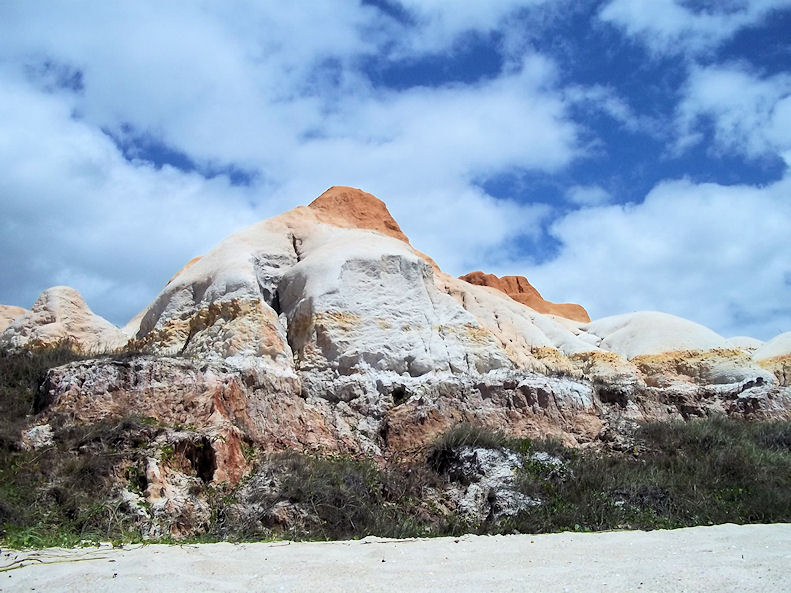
61,315
8,313
744,343
649,332
518,328
223,305
359,301
776,347
300,291
491,492
325,328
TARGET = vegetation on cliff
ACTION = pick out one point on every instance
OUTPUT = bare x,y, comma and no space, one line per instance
82,485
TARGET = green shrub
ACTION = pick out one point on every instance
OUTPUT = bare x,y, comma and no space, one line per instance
443,450
346,497
700,472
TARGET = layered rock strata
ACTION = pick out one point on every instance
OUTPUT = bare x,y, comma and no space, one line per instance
324,329
519,289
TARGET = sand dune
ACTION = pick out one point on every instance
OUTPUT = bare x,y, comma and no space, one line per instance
720,558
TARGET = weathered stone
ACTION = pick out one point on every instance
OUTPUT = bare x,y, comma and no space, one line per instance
323,329
486,490
9,313
60,316
519,289
37,437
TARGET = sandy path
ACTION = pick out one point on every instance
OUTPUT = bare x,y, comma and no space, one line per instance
721,558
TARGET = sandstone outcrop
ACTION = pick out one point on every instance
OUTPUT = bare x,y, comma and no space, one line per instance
331,331
59,316
775,357
349,207
519,289
8,313
324,329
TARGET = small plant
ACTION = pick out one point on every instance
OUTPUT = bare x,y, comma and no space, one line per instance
248,451
469,435
444,450
167,453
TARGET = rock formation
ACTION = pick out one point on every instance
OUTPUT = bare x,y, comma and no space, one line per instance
519,289
775,356
323,328
351,208
8,313
60,315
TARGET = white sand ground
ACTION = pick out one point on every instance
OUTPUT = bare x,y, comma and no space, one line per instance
724,558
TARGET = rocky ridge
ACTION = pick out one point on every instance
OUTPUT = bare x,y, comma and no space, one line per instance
324,329
8,313
520,289
61,315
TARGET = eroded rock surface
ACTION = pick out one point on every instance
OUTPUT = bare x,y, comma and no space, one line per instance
323,329
519,289
482,483
60,315
8,313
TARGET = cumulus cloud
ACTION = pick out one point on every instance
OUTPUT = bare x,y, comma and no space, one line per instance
283,94
588,195
447,20
749,114
77,213
716,254
672,26
273,90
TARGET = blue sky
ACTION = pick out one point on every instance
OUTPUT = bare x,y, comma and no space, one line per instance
623,154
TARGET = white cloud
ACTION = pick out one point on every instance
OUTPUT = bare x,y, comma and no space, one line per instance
77,213
274,89
749,115
669,26
281,91
605,100
711,253
588,195
441,22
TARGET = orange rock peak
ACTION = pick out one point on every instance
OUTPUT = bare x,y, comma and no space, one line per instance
519,289
349,207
